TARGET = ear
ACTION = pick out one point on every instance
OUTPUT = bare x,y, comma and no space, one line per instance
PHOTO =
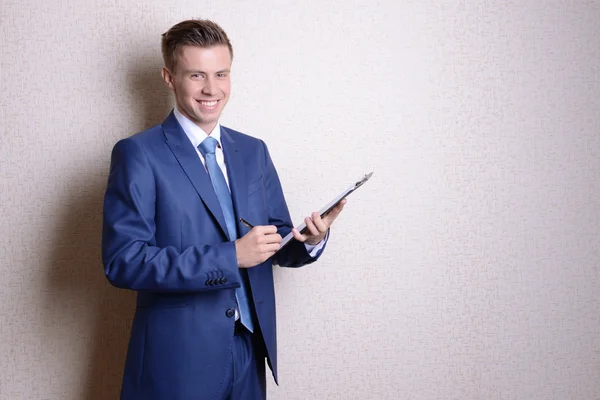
168,78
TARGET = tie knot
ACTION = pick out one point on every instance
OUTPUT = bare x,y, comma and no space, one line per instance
208,146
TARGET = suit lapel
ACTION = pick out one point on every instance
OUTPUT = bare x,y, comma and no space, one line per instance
236,173
238,183
187,157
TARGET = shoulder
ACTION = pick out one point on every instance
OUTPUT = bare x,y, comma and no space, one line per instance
242,138
250,145
147,136
141,140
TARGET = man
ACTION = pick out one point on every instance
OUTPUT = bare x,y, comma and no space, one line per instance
177,196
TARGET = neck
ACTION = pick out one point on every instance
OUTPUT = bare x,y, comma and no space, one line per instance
207,128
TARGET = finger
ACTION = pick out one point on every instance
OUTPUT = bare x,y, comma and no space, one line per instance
270,248
319,223
266,229
311,226
335,211
269,255
273,238
298,236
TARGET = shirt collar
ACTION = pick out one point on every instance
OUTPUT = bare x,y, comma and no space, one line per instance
194,132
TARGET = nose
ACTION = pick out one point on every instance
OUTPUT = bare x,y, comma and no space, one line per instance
209,87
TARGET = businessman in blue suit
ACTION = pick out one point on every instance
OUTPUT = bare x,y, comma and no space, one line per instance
172,231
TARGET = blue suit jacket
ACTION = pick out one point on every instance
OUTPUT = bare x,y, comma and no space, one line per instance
164,236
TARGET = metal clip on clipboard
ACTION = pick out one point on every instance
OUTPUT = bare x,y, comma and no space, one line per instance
325,209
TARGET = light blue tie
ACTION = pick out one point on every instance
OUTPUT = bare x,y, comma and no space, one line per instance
207,148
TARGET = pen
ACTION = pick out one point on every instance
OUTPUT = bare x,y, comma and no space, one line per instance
248,224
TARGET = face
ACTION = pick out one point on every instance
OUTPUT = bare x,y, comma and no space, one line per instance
201,83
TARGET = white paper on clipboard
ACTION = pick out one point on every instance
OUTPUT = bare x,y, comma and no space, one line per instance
327,207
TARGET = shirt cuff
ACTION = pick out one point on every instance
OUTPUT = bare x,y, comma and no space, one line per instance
314,249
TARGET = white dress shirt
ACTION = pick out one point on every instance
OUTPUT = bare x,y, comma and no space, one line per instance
196,135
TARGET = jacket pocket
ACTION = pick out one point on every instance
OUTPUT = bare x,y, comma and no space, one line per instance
255,186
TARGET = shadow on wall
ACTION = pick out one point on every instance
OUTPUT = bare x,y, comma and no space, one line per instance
152,99
101,313
78,292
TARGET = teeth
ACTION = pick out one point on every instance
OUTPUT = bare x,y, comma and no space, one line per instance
209,103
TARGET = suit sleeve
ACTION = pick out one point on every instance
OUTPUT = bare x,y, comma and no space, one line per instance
295,253
131,258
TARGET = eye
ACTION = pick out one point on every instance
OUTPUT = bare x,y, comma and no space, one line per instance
222,75
196,76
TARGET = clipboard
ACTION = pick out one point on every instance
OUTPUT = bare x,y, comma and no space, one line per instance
327,207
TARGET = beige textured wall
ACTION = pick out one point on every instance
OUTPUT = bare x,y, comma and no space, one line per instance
468,268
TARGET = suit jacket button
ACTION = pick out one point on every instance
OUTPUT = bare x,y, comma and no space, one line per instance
223,280
207,283
230,313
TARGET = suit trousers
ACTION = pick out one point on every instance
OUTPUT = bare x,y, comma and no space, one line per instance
247,373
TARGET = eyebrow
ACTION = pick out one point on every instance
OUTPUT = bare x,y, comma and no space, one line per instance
197,71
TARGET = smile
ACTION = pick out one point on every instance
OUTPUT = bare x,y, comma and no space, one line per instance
208,103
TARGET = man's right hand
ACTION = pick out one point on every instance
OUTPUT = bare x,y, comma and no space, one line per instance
257,246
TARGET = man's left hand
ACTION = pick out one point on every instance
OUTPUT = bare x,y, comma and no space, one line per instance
317,226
